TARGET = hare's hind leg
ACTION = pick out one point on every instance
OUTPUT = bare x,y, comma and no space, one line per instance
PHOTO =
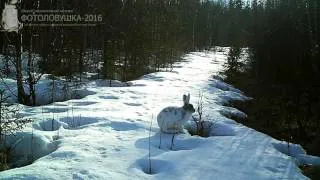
181,130
184,131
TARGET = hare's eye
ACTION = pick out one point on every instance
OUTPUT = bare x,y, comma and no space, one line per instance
190,107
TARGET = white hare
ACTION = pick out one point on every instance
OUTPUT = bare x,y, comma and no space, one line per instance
172,119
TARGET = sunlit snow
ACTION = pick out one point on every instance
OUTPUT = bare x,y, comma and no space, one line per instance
106,134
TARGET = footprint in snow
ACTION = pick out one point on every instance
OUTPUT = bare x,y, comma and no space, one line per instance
103,152
54,110
108,97
102,149
60,104
83,103
170,142
133,104
124,126
104,156
134,97
157,166
78,121
49,125
130,120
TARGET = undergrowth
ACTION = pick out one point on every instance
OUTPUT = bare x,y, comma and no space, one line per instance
203,125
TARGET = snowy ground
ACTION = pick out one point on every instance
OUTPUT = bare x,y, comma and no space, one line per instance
106,134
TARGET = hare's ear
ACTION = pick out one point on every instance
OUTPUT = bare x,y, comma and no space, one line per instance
188,98
185,99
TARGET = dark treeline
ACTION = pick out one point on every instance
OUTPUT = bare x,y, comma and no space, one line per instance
284,70
134,37
286,66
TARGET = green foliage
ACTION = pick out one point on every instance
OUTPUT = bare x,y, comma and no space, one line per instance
4,159
10,123
234,64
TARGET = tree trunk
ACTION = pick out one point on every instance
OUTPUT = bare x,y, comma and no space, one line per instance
301,129
83,52
31,78
22,96
1,101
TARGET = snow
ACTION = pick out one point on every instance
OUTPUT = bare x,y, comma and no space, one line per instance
48,91
105,135
27,146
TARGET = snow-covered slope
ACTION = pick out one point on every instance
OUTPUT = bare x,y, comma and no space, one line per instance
106,134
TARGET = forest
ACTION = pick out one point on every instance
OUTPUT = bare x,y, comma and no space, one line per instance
136,37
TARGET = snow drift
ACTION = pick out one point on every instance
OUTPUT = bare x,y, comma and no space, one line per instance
106,135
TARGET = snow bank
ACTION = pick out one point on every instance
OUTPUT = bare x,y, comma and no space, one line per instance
304,159
109,83
50,125
217,83
230,112
106,134
48,91
26,147
297,152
